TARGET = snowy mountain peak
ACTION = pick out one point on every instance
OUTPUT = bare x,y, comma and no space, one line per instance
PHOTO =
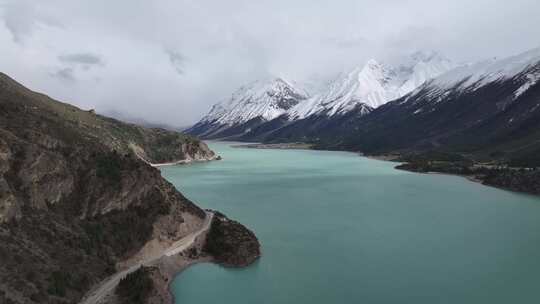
422,67
374,84
425,78
266,99
473,76
373,64
365,87
374,69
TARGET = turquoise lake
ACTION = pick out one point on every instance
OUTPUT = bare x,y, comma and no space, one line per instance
339,228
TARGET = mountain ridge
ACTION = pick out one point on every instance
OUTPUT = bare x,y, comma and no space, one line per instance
485,108
463,110
362,89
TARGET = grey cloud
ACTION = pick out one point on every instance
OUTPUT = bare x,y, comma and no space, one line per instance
347,42
230,43
64,74
84,59
21,18
177,60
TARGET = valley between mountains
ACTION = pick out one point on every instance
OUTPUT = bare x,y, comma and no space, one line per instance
479,119
269,152
86,217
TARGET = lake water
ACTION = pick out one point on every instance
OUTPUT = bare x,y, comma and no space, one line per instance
338,228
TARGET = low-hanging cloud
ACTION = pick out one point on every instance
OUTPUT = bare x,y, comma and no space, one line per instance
22,17
138,49
64,74
19,20
177,60
85,59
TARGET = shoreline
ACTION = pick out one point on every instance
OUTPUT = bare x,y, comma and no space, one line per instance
470,178
170,277
183,162
171,260
383,157
277,146
473,179
162,264
393,158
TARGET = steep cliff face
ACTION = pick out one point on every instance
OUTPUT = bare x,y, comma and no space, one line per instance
77,203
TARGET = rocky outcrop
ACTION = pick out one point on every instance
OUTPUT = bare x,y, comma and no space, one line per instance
77,203
230,243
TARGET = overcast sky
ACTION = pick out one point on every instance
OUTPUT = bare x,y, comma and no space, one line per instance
169,60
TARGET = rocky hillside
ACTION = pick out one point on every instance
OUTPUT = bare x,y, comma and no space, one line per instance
21,106
77,203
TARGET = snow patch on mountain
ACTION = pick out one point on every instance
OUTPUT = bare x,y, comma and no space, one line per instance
264,99
474,76
532,79
373,85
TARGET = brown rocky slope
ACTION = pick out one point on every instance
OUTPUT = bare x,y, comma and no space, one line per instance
76,200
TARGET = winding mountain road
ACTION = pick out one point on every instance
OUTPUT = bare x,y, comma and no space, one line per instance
107,286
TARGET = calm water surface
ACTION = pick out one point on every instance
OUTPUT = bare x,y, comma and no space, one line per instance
338,228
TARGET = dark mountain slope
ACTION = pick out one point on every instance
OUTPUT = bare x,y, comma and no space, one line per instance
488,121
487,110
313,129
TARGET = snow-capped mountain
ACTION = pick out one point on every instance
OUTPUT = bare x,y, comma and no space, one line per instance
362,89
424,102
373,85
489,109
264,99
257,102
473,76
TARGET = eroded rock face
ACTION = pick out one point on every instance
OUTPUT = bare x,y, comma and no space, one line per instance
230,243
